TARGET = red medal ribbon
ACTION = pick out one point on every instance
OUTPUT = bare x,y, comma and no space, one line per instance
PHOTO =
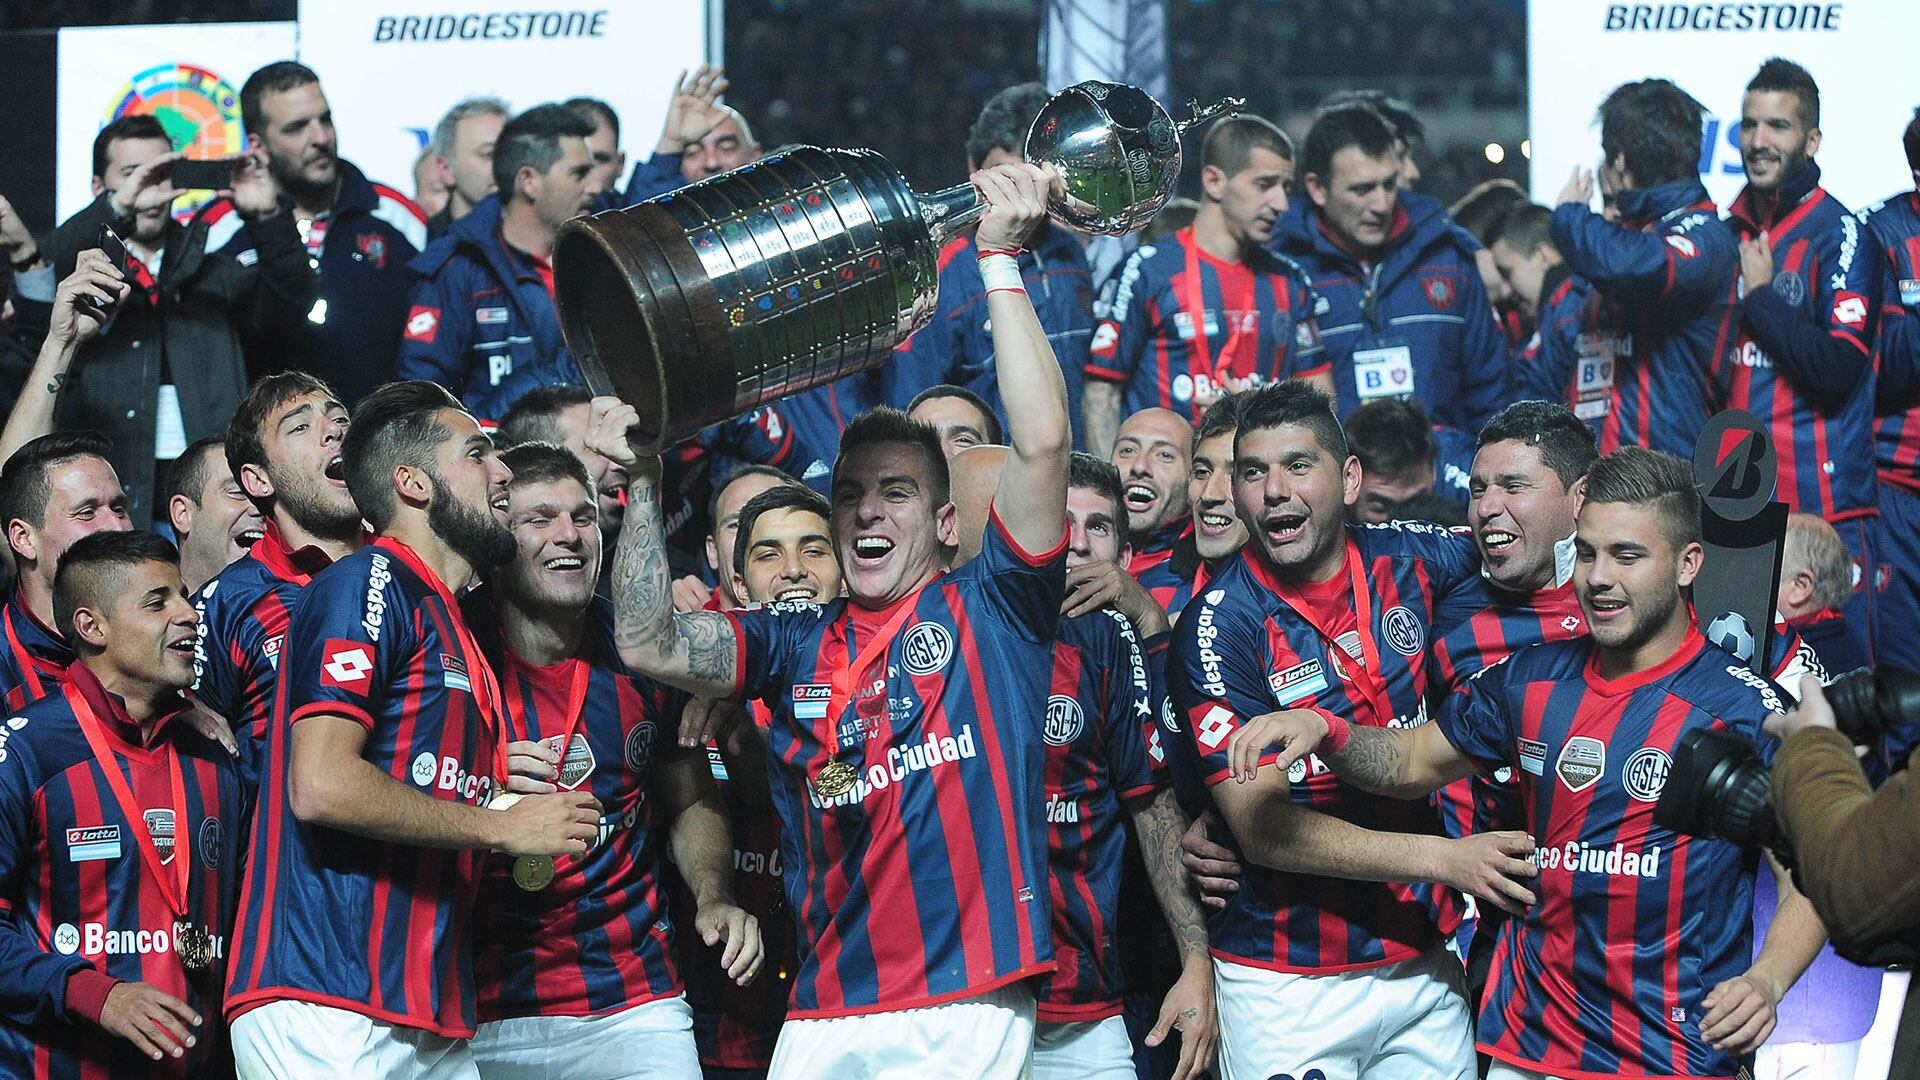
175,890
1371,681
845,676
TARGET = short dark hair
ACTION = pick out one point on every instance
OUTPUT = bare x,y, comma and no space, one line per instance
1912,141
131,126
778,497
394,425
1230,143
532,139
187,474
1431,506
90,570
1481,210
1294,402
1391,437
1642,477
246,431
887,425
1221,417
534,415
276,78
1779,74
1358,126
750,469
1657,127
596,112
1406,123
1095,473
25,480
545,463
992,431
1564,440
1526,228
1004,120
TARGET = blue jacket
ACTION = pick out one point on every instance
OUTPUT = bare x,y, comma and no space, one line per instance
354,284
653,175
1423,295
957,346
1665,278
481,322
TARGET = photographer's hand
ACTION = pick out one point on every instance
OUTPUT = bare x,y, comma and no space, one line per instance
1813,711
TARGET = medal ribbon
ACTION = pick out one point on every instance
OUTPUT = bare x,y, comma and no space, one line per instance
175,890
480,682
1193,300
520,720
844,677
1371,682
24,660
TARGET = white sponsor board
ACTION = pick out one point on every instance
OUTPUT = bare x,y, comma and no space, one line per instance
188,76
392,69
1859,51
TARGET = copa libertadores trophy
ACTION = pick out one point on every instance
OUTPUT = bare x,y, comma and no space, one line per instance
812,264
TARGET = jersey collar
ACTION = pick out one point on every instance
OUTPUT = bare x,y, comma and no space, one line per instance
1690,647
112,710
297,565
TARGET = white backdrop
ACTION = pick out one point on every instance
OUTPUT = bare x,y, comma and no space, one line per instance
388,87
390,69
191,75
1859,51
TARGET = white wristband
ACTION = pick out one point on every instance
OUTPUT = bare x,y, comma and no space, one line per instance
1001,271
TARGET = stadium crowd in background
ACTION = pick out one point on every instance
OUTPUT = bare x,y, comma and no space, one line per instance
1334,543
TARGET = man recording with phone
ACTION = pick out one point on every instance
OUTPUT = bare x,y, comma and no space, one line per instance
166,366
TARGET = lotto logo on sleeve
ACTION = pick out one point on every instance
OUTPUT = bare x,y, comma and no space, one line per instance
1212,726
423,324
348,665
1849,309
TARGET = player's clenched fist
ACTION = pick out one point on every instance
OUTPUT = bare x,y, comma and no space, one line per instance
560,824
156,1022
1491,866
1296,732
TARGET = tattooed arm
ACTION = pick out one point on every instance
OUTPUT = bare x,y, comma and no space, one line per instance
695,652
1406,763
1158,823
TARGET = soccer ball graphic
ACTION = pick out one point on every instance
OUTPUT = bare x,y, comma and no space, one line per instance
1731,632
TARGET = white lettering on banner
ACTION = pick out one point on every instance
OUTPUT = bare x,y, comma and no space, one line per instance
1577,856
902,762
377,578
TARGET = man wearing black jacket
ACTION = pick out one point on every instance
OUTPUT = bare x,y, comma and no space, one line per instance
167,367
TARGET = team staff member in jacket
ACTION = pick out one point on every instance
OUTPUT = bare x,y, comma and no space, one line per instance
1401,308
1802,360
482,322
1209,309
957,347
167,368
347,239
1664,273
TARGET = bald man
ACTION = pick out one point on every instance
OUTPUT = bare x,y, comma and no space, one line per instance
1154,453
1099,766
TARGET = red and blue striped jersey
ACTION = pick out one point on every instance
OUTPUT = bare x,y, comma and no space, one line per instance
593,941
243,624
1895,224
1802,361
76,892
1634,924
35,663
1169,567
925,880
377,637
1098,708
1475,629
1179,321
734,1026
1665,278
1253,647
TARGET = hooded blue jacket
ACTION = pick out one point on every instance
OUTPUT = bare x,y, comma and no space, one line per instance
481,322
1424,295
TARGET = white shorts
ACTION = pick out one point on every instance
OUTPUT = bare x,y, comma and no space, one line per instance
298,1040
1084,1050
989,1037
1500,1070
653,1041
1404,1021
1807,1061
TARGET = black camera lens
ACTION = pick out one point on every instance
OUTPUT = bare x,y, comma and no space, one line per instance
1870,702
1718,787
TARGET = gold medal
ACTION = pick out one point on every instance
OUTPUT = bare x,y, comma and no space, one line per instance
193,945
503,800
835,779
533,872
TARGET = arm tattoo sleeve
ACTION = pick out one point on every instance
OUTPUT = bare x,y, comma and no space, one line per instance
1371,760
1159,826
695,652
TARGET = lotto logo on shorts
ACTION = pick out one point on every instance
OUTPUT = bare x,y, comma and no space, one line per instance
348,665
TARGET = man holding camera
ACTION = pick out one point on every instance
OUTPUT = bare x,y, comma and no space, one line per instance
1633,958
